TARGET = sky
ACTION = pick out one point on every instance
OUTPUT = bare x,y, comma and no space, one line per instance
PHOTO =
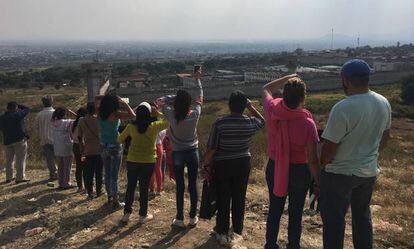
200,20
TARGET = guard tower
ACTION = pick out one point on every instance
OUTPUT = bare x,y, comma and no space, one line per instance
98,77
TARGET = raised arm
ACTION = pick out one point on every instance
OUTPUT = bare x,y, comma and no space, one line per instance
71,112
270,87
129,114
254,111
24,109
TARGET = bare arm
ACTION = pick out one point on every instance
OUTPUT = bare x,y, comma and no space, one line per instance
384,140
254,111
72,112
313,162
270,87
129,114
328,152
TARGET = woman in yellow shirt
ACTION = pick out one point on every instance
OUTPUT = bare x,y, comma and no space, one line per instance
141,158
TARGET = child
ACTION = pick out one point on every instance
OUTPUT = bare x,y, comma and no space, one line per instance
62,145
80,173
158,174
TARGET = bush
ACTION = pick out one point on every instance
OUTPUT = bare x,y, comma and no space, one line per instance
407,90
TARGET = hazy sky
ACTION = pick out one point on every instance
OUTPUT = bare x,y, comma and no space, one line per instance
202,19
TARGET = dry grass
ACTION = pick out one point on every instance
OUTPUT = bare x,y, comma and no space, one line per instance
393,215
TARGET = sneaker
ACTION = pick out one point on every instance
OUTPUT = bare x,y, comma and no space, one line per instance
194,221
117,204
178,223
145,219
22,181
10,180
235,239
222,240
125,218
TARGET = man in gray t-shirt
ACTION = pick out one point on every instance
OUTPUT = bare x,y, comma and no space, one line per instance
357,130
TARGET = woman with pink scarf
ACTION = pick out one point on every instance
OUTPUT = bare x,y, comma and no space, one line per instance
292,142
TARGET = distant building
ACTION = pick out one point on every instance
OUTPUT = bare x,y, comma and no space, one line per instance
260,76
380,66
137,79
185,80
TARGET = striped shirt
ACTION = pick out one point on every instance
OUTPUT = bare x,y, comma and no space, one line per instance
231,135
44,125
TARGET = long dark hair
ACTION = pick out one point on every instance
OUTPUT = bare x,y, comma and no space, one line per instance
59,113
182,105
109,104
90,107
143,119
80,114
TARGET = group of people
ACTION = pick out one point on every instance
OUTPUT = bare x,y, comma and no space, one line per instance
342,169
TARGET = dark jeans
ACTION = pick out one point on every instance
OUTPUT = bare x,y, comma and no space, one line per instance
299,180
80,173
232,177
141,172
337,193
190,158
94,167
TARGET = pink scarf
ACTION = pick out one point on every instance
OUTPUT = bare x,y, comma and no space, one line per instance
281,114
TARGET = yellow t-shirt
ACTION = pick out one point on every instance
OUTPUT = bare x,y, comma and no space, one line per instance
142,148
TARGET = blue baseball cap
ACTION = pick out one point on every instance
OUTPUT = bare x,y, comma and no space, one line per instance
356,69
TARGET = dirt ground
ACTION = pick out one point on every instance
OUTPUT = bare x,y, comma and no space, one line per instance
72,221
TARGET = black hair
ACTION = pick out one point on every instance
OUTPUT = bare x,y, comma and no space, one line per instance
294,92
182,105
59,113
109,104
143,119
11,106
47,101
79,114
237,102
90,108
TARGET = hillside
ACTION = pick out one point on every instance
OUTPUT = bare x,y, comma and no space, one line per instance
71,221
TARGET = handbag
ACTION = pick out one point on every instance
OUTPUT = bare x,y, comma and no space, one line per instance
208,207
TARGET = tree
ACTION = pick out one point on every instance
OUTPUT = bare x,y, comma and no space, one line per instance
407,90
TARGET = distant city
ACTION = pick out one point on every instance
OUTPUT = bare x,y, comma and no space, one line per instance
138,70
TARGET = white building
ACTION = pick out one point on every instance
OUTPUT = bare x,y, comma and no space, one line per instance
260,76
383,66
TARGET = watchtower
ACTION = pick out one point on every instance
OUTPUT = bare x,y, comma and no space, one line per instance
98,77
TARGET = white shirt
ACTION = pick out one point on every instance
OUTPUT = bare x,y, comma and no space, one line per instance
44,125
61,136
161,136
357,124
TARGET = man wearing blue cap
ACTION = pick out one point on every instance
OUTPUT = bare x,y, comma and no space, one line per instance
358,129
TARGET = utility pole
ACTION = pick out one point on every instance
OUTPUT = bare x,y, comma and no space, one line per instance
332,37
358,41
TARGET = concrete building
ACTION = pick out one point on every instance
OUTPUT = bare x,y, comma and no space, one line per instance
98,76
260,76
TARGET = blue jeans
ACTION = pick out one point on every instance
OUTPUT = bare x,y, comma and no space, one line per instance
190,158
111,158
299,180
337,193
